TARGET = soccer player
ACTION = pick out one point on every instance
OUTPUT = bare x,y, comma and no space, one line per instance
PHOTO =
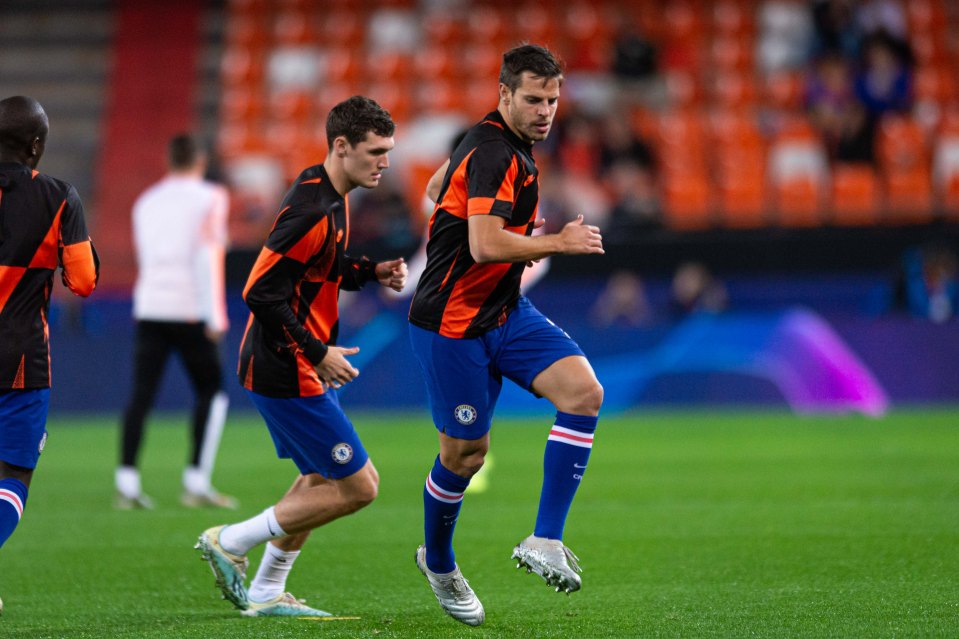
179,231
41,227
291,365
470,326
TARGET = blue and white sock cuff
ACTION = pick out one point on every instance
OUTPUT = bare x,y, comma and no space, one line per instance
13,499
570,436
440,494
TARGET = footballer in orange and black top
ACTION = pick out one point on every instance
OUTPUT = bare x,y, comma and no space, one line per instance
293,290
491,172
41,227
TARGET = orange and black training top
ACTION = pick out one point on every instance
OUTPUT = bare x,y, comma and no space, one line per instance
491,172
41,227
294,287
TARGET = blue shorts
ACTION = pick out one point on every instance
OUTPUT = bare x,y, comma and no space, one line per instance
314,432
23,425
464,376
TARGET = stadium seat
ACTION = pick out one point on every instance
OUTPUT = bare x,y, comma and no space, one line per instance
798,174
687,201
855,195
903,156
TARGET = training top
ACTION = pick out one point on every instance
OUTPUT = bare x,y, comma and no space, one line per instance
179,230
294,288
41,228
491,172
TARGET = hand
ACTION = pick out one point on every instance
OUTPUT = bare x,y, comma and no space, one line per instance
392,274
581,239
334,370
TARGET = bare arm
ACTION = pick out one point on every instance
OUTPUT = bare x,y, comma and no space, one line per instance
491,242
436,182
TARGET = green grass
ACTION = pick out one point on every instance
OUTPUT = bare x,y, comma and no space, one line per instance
687,525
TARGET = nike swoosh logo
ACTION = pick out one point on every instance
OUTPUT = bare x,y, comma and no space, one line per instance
578,466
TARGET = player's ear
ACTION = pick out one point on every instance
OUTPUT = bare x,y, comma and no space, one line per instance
504,93
340,146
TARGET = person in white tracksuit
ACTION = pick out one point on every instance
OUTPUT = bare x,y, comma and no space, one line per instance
179,304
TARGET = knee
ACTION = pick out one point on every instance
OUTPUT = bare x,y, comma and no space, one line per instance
587,400
363,493
466,464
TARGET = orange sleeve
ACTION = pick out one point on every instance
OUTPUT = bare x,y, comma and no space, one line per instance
80,271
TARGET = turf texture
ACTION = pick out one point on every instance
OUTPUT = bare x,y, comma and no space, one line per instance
691,524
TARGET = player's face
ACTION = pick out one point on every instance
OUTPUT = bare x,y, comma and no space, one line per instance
364,163
530,109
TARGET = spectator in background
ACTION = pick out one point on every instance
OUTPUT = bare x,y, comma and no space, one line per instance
622,302
930,282
884,83
834,108
634,56
836,29
696,290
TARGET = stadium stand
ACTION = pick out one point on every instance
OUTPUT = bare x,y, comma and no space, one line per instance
733,143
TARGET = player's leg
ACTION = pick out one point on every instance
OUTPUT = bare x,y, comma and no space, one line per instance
463,394
316,434
14,484
571,385
542,357
23,418
201,358
151,352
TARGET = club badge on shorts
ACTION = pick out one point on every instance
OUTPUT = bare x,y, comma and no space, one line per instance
342,453
465,414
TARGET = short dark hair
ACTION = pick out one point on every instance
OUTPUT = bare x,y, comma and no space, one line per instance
21,120
539,61
183,151
354,117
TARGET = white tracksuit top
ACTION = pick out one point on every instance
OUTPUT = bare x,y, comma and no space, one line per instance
179,231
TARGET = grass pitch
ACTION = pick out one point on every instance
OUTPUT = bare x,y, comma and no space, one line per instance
687,525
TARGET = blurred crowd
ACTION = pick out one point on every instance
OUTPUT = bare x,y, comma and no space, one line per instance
838,66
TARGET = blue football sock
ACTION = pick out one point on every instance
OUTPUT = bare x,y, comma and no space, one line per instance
442,497
567,451
13,497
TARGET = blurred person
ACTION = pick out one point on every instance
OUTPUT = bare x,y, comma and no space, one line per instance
836,28
884,84
42,227
470,326
930,282
291,365
836,111
696,290
635,197
622,301
179,304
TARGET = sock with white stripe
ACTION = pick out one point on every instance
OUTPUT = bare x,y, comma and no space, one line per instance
13,497
270,580
240,538
442,498
567,451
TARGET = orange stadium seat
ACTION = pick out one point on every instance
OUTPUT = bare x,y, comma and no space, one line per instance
784,89
293,27
239,67
739,160
686,201
733,90
242,104
855,195
732,54
343,27
341,64
904,160
291,106
798,174
535,23
443,29
734,18
390,65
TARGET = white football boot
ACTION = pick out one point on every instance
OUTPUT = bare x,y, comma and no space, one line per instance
551,560
453,592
